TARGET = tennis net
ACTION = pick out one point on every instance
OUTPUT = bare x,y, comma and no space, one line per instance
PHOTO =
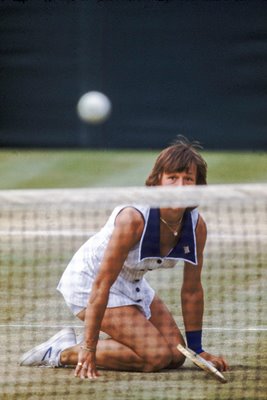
42,229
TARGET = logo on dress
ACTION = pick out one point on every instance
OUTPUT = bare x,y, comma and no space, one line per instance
186,250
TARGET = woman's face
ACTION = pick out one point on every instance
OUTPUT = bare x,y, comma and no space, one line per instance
183,178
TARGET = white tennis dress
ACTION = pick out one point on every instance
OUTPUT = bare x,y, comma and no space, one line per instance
130,287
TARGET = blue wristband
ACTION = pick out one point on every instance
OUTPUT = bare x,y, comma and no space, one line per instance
194,341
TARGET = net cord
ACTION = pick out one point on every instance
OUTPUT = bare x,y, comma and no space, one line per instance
189,196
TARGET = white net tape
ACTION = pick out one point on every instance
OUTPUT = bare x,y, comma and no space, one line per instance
188,196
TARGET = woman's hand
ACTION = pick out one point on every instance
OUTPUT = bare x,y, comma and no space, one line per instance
86,366
217,361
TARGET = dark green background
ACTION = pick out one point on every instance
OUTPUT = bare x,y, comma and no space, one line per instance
193,67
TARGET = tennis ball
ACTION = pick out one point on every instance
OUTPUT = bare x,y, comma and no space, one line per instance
94,107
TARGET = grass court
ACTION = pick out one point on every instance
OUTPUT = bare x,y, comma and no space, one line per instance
234,278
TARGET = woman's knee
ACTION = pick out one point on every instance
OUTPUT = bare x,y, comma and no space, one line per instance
178,358
177,361
164,357
158,359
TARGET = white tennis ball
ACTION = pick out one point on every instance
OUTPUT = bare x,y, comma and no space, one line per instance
94,107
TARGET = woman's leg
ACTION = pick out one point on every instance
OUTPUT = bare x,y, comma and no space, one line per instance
162,319
136,344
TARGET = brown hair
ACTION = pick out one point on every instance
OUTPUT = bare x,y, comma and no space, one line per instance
177,158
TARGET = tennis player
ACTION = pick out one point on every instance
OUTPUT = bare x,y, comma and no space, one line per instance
104,283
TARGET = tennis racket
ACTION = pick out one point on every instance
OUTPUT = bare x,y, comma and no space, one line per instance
202,363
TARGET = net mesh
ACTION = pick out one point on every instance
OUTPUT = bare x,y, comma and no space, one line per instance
42,229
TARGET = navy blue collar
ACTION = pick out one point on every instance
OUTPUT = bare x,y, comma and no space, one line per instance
150,244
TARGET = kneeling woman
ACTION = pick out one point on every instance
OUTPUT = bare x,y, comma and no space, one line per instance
104,283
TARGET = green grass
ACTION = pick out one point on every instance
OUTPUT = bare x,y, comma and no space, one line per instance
31,309
22,169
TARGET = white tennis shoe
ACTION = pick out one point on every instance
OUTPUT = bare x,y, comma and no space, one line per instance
47,354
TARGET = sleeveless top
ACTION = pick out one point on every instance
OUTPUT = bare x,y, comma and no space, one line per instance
77,279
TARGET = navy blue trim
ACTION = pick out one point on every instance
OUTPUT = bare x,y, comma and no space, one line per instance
150,246
150,242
